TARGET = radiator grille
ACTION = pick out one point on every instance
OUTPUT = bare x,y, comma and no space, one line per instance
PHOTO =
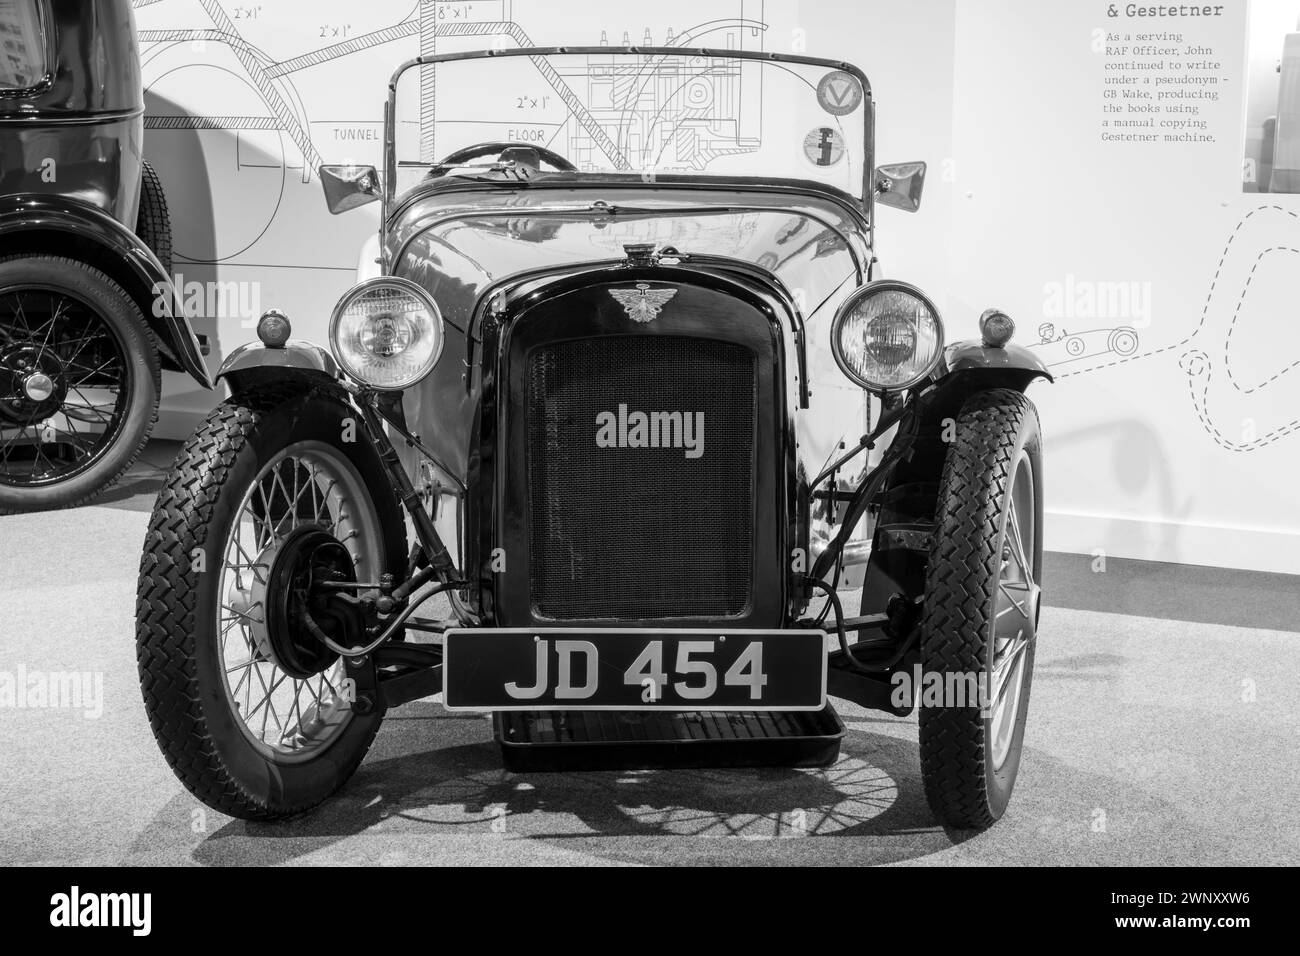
640,533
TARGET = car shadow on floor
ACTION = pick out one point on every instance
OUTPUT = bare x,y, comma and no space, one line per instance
461,789
415,804
137,489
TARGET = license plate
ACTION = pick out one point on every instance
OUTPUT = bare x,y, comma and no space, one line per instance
598,669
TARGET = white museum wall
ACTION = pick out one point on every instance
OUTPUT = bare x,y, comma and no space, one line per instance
1174,453
1185,448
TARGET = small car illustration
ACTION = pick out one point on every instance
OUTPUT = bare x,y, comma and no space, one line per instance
609,475
1060,347
88,313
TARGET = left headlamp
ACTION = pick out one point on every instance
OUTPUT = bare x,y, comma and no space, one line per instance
887,336
387,333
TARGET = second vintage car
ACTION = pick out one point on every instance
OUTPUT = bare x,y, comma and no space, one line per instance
598,451
89,316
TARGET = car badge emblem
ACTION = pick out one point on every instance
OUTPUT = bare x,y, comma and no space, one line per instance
642,303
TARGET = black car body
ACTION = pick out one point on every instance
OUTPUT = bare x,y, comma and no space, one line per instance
74,187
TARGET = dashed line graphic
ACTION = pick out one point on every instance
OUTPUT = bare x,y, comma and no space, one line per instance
1214,283
1227,342
1262,235
1196,365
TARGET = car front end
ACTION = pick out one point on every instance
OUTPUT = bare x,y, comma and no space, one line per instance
647,433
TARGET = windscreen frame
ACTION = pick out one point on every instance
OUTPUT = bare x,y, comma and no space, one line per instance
390,107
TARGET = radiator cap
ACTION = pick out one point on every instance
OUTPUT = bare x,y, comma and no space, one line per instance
640,253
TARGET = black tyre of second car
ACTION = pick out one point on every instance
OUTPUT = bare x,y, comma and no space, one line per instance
980,619
80,381
153,224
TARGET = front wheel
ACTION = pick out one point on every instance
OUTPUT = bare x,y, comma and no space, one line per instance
981,612
256,716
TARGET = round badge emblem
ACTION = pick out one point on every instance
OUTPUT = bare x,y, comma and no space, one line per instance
839,93
823,146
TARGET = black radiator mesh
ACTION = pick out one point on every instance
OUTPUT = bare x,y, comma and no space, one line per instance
639,533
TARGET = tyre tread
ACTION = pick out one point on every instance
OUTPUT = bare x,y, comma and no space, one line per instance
963,570
165,607
153,223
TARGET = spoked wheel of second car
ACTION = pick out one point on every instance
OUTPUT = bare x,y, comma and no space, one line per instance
266,524
79,383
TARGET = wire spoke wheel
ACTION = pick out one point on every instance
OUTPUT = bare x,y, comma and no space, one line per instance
308,485
80,380
64,386
275,494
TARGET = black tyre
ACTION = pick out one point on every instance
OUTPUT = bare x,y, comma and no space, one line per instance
981,608
153,224
253,729
79,383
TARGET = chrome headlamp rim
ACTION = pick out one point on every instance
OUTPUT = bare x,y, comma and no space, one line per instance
406,285
852,302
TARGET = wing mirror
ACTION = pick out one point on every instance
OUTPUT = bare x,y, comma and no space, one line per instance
347,187
900,185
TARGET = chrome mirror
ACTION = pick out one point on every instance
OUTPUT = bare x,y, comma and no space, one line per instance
347,187
900,185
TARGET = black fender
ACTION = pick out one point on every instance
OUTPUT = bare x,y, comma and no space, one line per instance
59,226
969,367
1012,366
909,500
255,364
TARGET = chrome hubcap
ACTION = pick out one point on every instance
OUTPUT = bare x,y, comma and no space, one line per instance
38,387
1018,604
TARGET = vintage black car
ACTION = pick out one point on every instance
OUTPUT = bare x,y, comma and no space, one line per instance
624,435
88,313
